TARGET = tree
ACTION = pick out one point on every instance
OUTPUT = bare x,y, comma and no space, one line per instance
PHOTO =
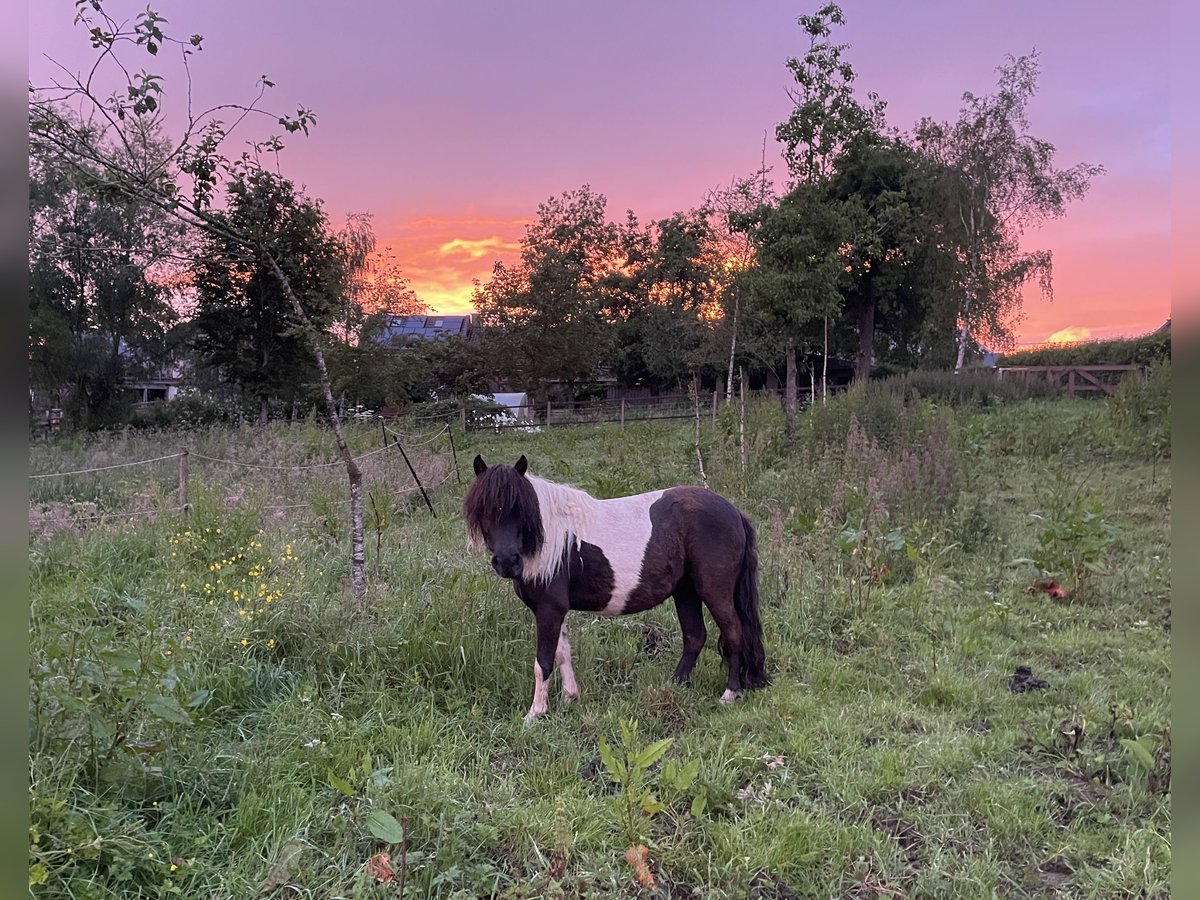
98,299
543,317
667,287
731,207
826,120
798,265
826,116
1001,179
244,318
899,262
183,183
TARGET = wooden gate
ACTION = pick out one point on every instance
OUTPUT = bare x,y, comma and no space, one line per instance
1075,380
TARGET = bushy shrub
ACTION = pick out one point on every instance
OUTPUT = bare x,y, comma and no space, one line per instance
1145,350
1140,411
191,409
971,387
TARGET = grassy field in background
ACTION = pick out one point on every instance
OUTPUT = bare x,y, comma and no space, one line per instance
187,742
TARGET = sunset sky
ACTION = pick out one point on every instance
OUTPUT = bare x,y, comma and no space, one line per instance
450,122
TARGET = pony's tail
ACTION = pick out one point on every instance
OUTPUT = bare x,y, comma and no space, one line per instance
745,602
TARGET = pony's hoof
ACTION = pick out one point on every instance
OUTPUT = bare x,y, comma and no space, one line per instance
729,697
570,698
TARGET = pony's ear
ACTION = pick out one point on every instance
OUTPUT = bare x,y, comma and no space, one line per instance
480,465
522,465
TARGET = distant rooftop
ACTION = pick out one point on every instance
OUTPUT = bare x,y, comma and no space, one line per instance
400,329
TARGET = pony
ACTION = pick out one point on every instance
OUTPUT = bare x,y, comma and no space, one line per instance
566,550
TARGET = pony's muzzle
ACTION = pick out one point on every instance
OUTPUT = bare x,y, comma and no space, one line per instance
507,565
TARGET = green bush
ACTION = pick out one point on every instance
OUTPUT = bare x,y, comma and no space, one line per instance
970,387
190,410
1145,350
1140,410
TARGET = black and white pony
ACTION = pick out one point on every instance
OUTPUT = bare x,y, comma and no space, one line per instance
564,550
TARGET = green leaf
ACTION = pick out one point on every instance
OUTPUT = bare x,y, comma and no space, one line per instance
339,784
687,775
654,752
615,767
698,803
169,710
651,806
1139,752
385,827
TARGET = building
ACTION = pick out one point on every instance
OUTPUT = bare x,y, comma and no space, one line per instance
399,330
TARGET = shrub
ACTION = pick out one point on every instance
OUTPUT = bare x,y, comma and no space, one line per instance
1141,412
970,387
1145,350
191,409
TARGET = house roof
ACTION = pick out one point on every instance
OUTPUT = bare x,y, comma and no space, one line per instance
425,328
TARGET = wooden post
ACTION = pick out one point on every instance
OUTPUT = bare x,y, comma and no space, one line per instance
1071,383
183,455
462,419
714,407
622,412
547,413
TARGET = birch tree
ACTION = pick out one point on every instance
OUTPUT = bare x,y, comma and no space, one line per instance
1002,180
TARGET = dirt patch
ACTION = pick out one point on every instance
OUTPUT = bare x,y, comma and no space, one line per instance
1053,876
904,833
769,886
57,517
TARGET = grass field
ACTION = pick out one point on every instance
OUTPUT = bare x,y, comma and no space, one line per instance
186,740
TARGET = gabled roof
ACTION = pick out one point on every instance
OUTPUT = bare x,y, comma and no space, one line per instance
425,328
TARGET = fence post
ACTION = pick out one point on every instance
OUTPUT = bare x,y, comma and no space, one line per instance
547,413
183,504
714,407
420,486
1071,383
462,419
453,450
622,412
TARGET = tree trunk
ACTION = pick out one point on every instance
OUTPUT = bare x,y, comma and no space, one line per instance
264,409
825,365
789,397
742,417
353,473
964,333
737,297
866,339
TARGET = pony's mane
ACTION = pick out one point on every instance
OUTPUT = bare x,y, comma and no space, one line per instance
566,514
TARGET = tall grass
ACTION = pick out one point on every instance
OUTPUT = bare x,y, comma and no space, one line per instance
186,742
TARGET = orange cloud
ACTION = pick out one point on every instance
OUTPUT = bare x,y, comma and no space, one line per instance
488,246
442,255
1070,335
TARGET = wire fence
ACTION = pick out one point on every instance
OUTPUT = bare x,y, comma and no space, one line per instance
398,475
601,411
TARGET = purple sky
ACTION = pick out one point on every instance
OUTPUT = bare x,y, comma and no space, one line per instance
450,122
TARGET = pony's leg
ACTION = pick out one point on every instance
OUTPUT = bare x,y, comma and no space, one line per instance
562,658
727,620
691,622
549,628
